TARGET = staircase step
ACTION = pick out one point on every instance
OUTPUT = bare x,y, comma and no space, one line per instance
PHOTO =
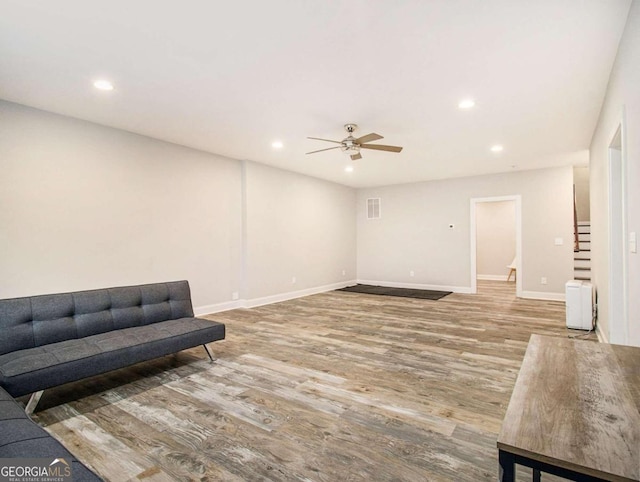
582,268
582,278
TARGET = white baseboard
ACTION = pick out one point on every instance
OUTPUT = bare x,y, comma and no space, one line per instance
226,306
602,338
267,300
416,286
492,277
543,295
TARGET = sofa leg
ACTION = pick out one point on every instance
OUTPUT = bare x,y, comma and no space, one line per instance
208,352
33,402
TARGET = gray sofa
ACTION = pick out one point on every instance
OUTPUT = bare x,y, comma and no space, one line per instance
22,438
49,340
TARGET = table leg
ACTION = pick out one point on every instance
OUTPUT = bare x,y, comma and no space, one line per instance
507,472
536,475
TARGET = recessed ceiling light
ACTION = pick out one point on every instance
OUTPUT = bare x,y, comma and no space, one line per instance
103,85
277,144
349,169
466,104
497,148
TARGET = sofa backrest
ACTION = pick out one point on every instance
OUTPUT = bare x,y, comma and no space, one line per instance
41,320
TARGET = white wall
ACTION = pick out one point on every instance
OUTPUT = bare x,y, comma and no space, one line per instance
84,206
622,103
495,239
296,226
581,182
413,233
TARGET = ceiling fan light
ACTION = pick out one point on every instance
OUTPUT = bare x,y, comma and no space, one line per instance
349,147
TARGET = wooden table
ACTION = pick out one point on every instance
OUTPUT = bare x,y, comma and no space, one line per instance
574,412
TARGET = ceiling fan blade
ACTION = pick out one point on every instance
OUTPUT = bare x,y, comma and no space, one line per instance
326,140
355,157
380,147
327,149
369,138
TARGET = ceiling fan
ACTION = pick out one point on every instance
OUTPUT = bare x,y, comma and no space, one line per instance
352,146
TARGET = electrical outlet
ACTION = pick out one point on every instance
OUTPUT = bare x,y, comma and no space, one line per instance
235,295
543,280
411,273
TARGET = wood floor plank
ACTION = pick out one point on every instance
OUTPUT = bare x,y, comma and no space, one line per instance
104,452
330,387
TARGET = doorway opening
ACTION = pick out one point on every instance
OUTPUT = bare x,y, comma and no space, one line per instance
618,328
496,240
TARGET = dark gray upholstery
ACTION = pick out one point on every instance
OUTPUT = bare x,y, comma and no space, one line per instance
21,437
42,320
54,339
27,371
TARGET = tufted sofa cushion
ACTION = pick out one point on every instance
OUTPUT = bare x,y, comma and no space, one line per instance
27,371
42,320
49,340
21,437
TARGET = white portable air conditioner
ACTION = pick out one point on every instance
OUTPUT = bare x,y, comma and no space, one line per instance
579,305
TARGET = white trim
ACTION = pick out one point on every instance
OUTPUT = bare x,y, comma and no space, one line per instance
473,246
267,300
542,295
517,198
492,277
602,338
618,322
218,307
417,286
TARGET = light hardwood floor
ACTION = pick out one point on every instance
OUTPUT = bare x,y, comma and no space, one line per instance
332,387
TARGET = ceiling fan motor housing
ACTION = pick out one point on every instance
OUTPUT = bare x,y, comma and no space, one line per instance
349,144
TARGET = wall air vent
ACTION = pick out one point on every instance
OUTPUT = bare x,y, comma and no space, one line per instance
373,208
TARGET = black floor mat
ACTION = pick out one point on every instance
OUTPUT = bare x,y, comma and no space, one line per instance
404,292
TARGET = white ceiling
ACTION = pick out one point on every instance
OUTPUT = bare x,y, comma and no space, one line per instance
230,77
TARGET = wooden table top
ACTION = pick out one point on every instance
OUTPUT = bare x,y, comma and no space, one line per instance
576,405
